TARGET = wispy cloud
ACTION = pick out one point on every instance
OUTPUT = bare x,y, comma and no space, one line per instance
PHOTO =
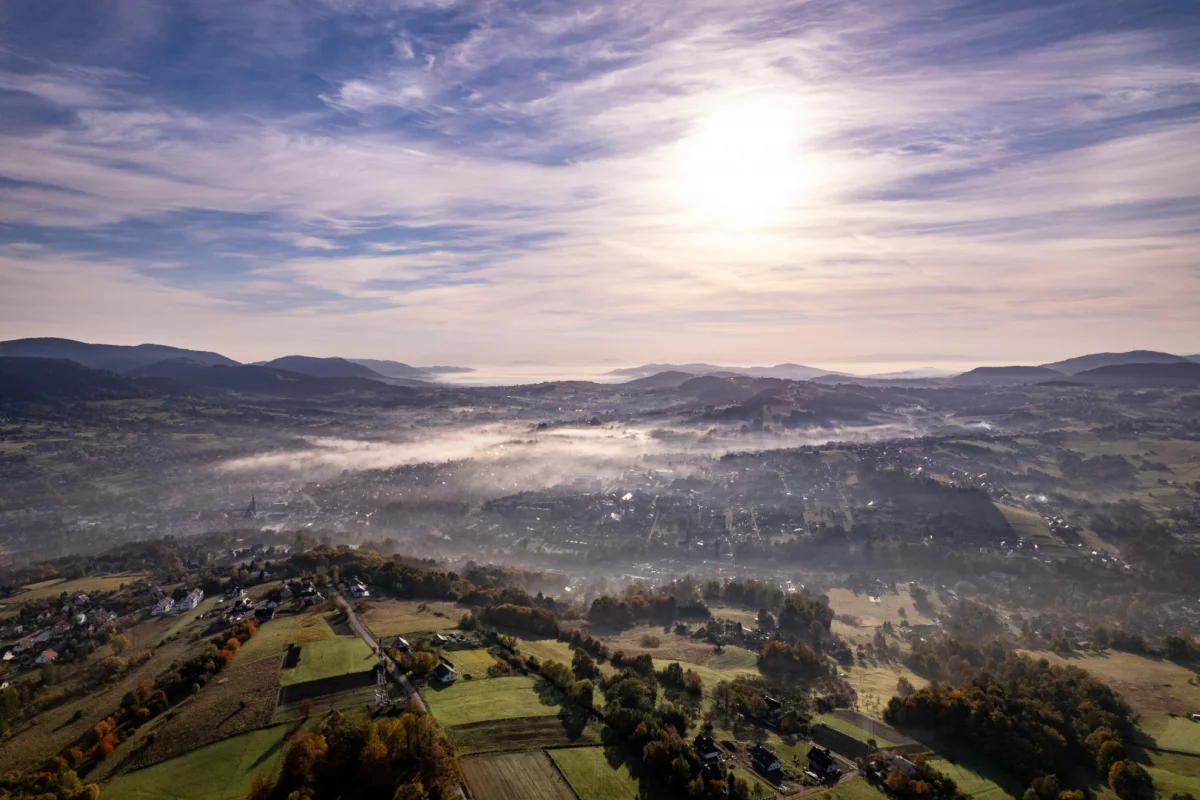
756,181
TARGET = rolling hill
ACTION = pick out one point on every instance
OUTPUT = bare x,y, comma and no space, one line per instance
1005,376
38,380
1095,360
113,357
322,367
1180,372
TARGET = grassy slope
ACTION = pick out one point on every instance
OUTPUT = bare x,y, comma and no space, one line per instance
851,730
971,782
273,637
471,662
465,702
590,775
338,655
221,771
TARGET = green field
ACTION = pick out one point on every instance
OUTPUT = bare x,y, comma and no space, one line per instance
465,702
471,662
96,583
734,657
971,782
221,771
1169,783
273,637
402,617
329,657
1026,524
588,771
710,677
1173,733
853,731
856,789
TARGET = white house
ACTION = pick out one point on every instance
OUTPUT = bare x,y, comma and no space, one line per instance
191,600
445,673
163,606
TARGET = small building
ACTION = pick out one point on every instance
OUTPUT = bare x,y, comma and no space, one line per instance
163,606
766,763
402,644
82,600
81,619
358,588
47,657
191,600
774,708
444,673
706,748
439,640
264,614
904,765
285,594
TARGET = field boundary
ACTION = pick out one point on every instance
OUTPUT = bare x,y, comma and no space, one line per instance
310,690
561,774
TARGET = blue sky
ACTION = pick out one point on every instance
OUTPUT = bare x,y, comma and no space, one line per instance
859,185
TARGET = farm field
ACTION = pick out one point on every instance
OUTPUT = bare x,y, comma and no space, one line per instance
464,702
853,731
877,685
670,648
471,662
590,775
872,613
515,776
273,637
95,583
233,704
856,789
1027,524
520,733
327,658
971,782
401,617
221,771
710,677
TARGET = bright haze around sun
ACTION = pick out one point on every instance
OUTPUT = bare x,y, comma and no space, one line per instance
861,186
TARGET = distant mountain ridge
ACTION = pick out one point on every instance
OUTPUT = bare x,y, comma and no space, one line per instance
113,357
398,369
322,367
999,376
1071,366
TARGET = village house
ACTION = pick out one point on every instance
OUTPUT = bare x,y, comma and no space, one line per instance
190,600
163,606
47,657
445,673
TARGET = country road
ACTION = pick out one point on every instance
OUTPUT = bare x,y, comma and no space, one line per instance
410,691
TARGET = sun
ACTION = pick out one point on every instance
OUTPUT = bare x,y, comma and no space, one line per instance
741,166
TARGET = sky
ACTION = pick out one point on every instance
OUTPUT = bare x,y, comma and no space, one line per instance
860,185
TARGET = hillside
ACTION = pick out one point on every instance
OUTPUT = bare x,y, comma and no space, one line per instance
35,380
117,358
1181,372
323,367
670,379
1003,376
266,381
398,369
1072,366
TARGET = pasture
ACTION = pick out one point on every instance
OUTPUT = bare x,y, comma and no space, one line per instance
465,702
670,648
851,730
856,789
515,776
58,586
327,658
877,685
592,777
875,610
220,771
971,782
402,617
520,733
273,637
471,662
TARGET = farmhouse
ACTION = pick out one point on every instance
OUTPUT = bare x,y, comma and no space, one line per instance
191,600
444,673
402,644
766,763
358,588
163,606
706,748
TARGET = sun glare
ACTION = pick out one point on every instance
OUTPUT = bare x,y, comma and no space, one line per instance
741,166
